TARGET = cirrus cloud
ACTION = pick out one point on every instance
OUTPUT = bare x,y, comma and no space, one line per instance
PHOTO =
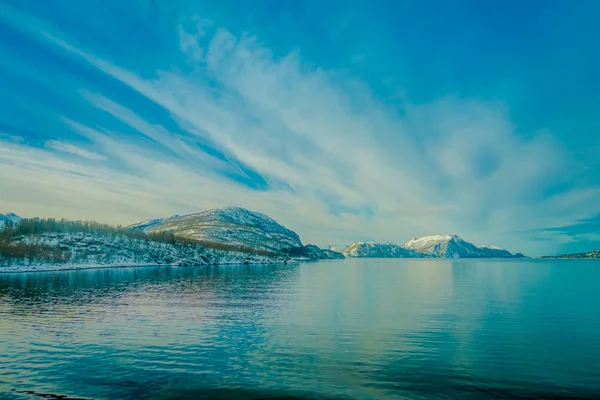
234,123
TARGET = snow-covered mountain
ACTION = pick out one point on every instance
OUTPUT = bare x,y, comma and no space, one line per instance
9,218
381,250
228,225
236,226
452,246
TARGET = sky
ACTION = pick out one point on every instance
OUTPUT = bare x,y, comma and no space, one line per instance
376,121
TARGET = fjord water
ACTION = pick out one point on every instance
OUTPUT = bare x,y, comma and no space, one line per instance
351,329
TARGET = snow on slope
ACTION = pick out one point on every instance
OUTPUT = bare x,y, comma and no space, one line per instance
452,246
82,250
149,224
229,225
10,217
379,250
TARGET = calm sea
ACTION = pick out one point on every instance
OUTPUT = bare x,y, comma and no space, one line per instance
352,329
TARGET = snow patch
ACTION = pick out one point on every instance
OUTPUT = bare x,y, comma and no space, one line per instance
83,250
227,225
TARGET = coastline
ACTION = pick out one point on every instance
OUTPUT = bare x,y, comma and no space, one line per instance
17,269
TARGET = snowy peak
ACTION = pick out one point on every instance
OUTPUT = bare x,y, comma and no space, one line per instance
239,216
431,240
380,250
452,246
228,225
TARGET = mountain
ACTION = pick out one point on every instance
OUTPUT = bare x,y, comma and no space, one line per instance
10,218
229,225
236,226
379,250
452,246
589,254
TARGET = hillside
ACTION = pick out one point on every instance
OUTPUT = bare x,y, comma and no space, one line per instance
313,252
380,250
589,254
49,244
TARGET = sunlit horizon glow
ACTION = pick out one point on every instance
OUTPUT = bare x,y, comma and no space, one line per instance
343,125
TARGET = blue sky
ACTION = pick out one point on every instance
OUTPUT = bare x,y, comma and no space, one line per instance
373,121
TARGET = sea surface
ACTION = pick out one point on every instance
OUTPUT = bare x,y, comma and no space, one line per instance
350,329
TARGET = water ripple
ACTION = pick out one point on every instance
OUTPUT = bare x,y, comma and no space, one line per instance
396,329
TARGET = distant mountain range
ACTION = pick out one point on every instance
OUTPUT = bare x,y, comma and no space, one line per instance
589,254
242,227
437,246
237,230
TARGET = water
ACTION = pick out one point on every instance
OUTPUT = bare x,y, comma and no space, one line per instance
353,329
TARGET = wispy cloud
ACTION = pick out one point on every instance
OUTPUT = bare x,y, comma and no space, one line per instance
71,149
315,148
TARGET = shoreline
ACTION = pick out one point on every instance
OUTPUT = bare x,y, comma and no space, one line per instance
78,267
81,267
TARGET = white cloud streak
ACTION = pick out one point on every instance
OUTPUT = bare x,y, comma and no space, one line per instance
455,165
75,150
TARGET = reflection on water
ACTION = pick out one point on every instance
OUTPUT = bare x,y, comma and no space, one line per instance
341,329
